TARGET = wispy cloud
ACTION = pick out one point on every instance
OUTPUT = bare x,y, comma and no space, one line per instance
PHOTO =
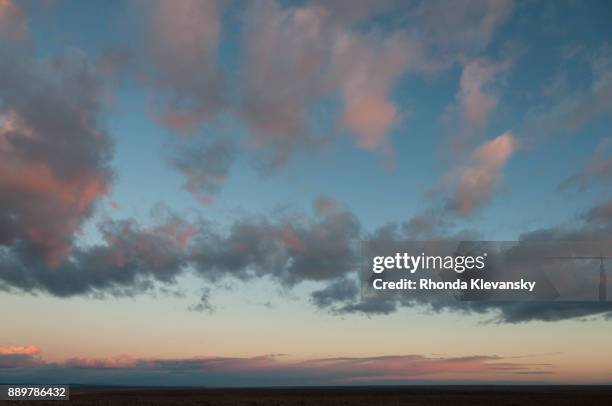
598,170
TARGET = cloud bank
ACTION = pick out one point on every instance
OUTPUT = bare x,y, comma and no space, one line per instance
267,370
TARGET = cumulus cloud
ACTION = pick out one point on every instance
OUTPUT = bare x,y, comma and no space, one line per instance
297,56
322,248
54,150
133,258
594,231
288,250
593,228
128,262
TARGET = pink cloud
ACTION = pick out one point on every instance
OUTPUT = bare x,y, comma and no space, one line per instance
299,55
19,350
364,73
477,181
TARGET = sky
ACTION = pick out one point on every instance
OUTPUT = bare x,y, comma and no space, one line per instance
184,186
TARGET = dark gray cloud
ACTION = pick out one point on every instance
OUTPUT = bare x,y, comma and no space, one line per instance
340,290
133,258
290,250
320,248
427,224
544,311
594,231
129,262
297,56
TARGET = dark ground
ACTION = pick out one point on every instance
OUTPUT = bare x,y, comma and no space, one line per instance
405,396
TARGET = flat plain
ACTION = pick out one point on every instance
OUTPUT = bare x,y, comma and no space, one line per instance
350,396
